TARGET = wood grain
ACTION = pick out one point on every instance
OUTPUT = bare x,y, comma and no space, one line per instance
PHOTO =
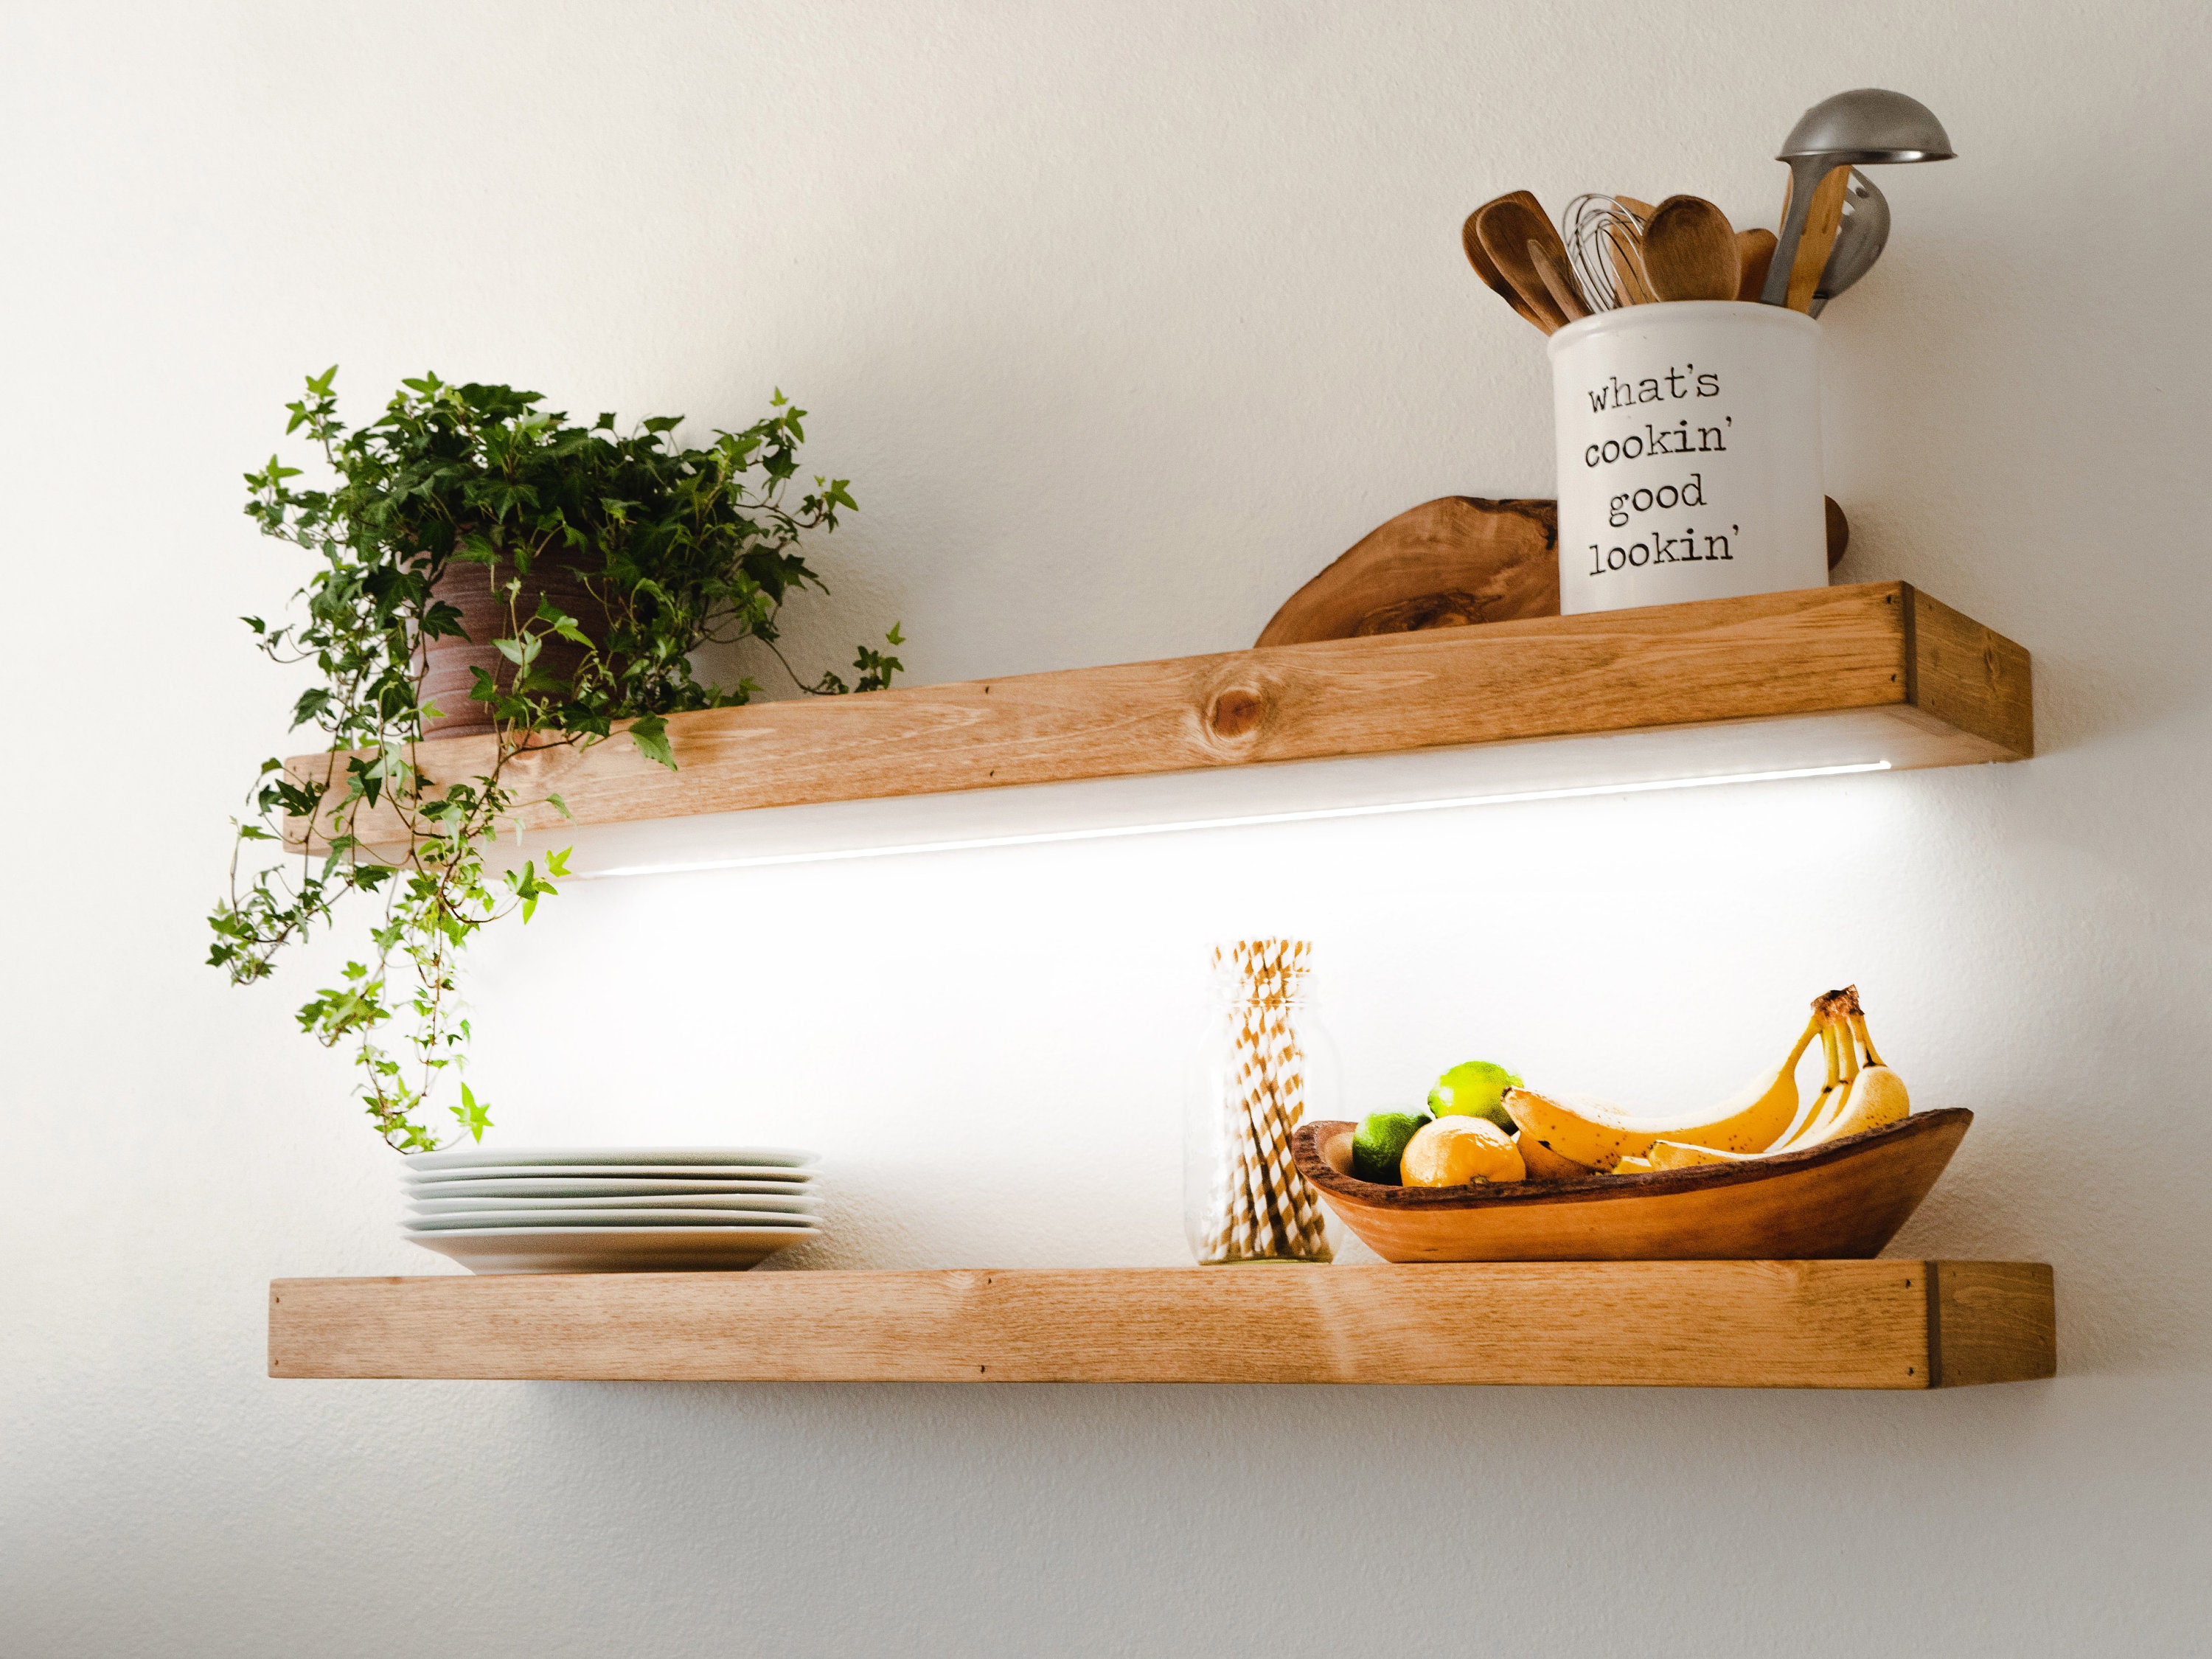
1684,1324
1967,675
1559,282
1486,269
1450,562
1754,253
1992,1322
1690,251
1774,656
1507,228
1845,1198
1823,219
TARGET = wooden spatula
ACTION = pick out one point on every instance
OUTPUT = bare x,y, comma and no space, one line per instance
1558,283
1822,221
1505,227
1486,268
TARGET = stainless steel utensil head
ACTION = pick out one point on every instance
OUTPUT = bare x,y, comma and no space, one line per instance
1859,241
1867,126
1605,252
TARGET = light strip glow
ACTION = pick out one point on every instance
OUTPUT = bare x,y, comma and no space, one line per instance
1184,825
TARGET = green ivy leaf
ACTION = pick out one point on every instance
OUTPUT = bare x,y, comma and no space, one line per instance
475,1116
650,734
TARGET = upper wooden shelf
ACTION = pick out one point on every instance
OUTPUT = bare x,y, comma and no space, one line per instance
1877,671
1676,1324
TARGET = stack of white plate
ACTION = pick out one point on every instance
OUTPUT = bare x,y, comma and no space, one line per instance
599,1209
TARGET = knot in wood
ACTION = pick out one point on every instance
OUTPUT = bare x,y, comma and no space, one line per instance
1234,711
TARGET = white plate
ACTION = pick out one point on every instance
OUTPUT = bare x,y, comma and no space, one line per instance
707,1203
474,1156
480,1219
548,1184
624,1171
611,1249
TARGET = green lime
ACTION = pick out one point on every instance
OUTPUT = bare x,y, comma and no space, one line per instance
1378,1142
1474,1089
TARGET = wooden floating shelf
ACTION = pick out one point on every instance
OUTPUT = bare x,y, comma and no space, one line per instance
1668,1324
1877,671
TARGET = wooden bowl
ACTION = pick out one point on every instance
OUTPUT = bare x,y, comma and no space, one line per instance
1846,1199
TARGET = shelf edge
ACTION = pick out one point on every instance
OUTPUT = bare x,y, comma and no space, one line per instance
1772,657
1970,677
1699,1324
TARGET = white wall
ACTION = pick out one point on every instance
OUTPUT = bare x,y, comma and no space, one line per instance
1123,319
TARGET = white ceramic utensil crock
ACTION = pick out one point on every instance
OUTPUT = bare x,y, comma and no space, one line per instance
1689,453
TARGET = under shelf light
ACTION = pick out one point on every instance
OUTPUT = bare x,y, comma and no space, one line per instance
1180,826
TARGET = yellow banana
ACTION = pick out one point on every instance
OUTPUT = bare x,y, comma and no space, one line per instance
1544,1164
1857,1098
1877,1098
1597,1136
1572,1128
1858,1029
1844,1063
1680,1155
1877,1095
1819,1103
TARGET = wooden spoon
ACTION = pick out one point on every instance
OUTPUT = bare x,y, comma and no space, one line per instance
1561,286
1505,227
1754,251
1822,220
1690,251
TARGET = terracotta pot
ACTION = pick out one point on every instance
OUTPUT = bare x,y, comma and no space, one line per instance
478,593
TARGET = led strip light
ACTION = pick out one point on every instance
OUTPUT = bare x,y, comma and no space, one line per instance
1045,838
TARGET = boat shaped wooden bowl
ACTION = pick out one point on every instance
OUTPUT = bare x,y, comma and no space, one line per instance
1846,1199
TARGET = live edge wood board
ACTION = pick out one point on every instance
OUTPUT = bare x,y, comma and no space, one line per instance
1680,1324
1953,692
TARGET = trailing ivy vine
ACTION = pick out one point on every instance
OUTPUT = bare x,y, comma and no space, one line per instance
676,548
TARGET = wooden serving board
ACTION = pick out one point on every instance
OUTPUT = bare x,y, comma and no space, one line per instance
1447,562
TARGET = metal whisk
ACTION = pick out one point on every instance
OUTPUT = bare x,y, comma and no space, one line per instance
1605,245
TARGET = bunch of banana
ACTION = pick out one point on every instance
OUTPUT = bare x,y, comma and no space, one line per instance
1862,1093
1564,1137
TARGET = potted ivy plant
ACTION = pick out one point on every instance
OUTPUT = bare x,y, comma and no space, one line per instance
484,566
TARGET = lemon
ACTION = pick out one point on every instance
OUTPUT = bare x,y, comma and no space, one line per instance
1379,1140
1476,1089
1454,1150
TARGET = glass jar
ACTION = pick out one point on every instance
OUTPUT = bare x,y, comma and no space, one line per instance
1265,1065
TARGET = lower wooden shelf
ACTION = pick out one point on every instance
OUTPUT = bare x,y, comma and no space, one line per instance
1665,1324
